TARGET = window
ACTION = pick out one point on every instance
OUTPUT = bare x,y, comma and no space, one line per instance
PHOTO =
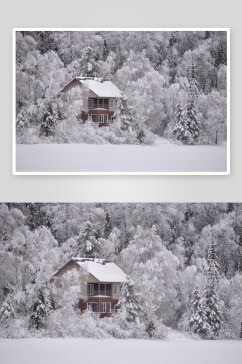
103,307
106,118
112,103
108,307
102,118
92,117
115,289
92,306
90,289
91,103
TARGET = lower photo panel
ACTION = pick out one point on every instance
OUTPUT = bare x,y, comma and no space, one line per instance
168,275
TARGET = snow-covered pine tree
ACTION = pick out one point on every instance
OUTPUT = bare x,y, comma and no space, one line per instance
41,311
180,130
192,119
124,113
198,320
130,299
214,268
50,120
88,65
107,226
105,50
213,310
87,245
7,312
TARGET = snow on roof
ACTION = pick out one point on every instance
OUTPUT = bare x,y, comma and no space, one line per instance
100,87
103,270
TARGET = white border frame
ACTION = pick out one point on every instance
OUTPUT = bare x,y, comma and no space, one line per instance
118,173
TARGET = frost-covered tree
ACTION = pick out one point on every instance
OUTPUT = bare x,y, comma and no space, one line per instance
212,302
87,64
50,120
124,113
22,120
130,299
192,116
181,130
7,312
87,245
213,311
142,84
193,121
41,311
198,320
214,268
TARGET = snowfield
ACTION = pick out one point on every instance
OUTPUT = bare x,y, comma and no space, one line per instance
90,351
161,157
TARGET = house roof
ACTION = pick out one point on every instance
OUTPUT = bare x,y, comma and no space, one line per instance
103,270
99,86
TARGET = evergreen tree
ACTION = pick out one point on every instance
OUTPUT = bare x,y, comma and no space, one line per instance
50,120
40,312
130,300
7,312
193,121
214,268
180,130
124,112
107,226
88,65
198,320
213,310
105,50
87,245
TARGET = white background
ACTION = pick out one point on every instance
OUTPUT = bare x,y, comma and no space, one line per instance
127,13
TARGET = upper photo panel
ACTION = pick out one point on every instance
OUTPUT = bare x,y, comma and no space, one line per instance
121,101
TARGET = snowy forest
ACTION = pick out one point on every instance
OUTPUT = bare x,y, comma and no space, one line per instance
173,83
183,263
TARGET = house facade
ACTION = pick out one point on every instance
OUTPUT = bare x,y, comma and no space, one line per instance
99,101
102,287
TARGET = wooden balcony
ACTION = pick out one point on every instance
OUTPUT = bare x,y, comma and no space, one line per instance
95,103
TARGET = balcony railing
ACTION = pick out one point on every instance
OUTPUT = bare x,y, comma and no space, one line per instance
105,293
100,106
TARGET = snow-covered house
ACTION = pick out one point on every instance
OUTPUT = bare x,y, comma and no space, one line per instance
102,286
99,101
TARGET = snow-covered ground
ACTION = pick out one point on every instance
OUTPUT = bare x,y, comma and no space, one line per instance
119,351
162,157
